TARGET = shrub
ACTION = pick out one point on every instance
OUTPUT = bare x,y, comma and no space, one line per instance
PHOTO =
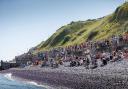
92,35
66,39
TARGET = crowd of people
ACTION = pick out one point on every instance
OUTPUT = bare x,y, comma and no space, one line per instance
88,53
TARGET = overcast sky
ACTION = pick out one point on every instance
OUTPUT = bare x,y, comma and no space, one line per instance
25,23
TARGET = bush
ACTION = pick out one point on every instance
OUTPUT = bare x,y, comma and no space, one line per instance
92,35
66,39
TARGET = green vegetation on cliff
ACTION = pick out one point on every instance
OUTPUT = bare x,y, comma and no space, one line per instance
97,29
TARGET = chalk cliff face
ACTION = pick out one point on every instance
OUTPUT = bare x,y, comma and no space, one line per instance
96,29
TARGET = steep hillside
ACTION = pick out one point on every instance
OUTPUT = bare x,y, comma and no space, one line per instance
97,29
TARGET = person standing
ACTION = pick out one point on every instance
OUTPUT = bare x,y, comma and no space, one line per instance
88,58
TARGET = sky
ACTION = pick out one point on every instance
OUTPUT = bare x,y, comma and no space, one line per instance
26,23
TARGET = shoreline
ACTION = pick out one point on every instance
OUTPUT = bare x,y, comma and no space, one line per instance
34,80
22,80
30,81
108,77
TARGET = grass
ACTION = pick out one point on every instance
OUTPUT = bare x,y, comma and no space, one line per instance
96,29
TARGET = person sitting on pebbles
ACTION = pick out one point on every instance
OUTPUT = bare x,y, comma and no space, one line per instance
117,55
120,55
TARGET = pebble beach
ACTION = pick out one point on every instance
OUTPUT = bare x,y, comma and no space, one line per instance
112,76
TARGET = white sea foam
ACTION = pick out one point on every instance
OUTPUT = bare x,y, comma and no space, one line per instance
9,76
39,85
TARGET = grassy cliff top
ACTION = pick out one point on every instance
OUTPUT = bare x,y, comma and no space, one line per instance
96,29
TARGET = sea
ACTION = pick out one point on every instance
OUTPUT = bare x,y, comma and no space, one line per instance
7,82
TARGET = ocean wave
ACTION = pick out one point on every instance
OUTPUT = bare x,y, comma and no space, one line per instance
39,85
9,76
